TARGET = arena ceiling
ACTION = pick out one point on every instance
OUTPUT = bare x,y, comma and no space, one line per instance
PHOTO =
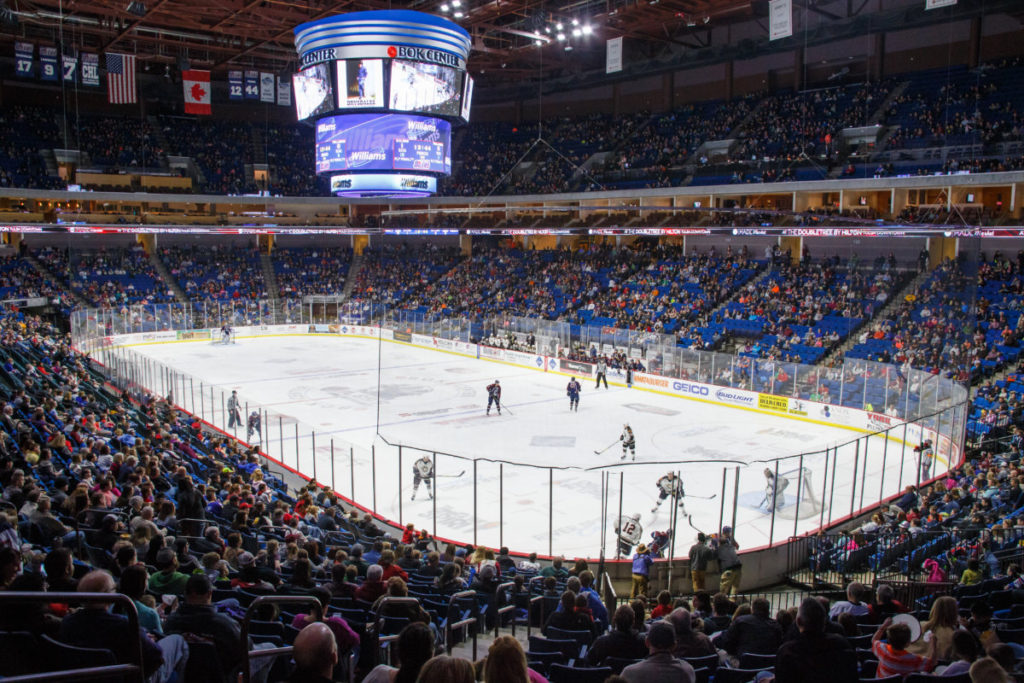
225,34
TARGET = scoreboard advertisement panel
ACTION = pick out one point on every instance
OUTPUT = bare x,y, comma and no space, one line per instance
312,90
361,84
383,142
425,88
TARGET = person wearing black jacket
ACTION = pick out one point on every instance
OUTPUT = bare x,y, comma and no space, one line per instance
191,506
566,618
815,655
622,641
755,633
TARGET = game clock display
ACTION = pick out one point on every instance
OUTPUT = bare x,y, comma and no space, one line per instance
383,142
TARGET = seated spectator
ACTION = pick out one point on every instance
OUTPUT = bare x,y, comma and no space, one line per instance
344,637
755,633
893,657
415,645
315,655
623,641
567,618
988,670
815,655
972,574
943,621
506,663
373,587
722,608
689,643
965,652
95,626
664,606
60,567
885,604
133,584
446,669
660,665
167,579
855,592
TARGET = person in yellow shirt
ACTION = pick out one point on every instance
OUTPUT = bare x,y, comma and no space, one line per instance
972,574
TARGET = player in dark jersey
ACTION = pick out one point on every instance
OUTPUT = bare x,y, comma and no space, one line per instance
494,396
572,390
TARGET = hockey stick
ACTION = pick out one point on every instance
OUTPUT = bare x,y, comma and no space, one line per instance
711,497
689,520
449,476
509,411
606,447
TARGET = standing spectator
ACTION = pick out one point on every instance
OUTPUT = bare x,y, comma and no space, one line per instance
700,556
729,563
641,571
815,655
660,664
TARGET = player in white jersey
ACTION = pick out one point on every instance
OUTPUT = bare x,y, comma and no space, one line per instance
628,441
773,497
422,471
670,485
629,532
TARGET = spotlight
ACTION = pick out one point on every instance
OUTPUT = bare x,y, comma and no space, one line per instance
707,19
587,29
561,36
575,22
577,33
456,3
568,48
458,14
547,29
444,7
559,26
538,42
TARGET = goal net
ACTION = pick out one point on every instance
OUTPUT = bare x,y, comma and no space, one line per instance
800,488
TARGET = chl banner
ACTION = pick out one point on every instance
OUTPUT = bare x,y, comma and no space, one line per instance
936,4
780,19
48,63
252,85
90,69
235,85
267,88
613,58
284,91
24,54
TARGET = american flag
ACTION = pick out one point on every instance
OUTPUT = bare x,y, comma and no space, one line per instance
120,78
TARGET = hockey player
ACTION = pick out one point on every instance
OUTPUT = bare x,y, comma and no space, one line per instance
422,470
659,542
572,390
494,396
670,485
602,373
630,532
628,441
773,497
234,411
253,425
225,334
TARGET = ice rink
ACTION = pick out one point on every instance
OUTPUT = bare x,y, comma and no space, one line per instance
435,401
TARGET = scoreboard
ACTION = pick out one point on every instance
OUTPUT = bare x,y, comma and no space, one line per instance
383,89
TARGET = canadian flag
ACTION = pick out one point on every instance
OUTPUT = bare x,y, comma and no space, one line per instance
197,91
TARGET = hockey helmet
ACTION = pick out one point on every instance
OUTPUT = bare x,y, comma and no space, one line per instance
635,516
497,381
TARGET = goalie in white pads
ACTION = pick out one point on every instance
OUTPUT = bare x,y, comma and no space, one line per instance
668,486
422,471
227,335
628,441
773,496
629,532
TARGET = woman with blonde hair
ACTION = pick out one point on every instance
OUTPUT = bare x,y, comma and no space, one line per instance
506,663
943,621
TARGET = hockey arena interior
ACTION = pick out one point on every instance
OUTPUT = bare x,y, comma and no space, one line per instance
351,342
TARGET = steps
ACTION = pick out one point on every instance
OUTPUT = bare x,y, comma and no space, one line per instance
353,274
54,277
165,274
269,276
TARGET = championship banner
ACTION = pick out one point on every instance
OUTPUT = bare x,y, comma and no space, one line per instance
284,91
936,4
780,19
90,69
48,63
252,85
613,57
70,71
234,85
267,88
24,54
196,85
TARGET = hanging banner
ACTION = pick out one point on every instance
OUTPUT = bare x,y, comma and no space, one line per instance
196,87
252,85
234,85
70,71
284,91
936,4
267,88
780,19
24,54
90,69
613,58
48,63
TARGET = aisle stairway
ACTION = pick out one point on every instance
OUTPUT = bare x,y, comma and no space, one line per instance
269,276
353,273
167,277
57,277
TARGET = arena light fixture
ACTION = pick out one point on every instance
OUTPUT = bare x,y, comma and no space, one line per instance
577,32
458,14
568,48
538,42
561,36
559,26
587,29
456,3
444,7
575,22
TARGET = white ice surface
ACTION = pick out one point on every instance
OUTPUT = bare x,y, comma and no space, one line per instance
436,401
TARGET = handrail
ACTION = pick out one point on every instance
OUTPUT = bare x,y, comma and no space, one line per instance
133,671
473,619
248,654
505,607
377,624
610,597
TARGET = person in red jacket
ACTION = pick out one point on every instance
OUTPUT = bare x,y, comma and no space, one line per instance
387,564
